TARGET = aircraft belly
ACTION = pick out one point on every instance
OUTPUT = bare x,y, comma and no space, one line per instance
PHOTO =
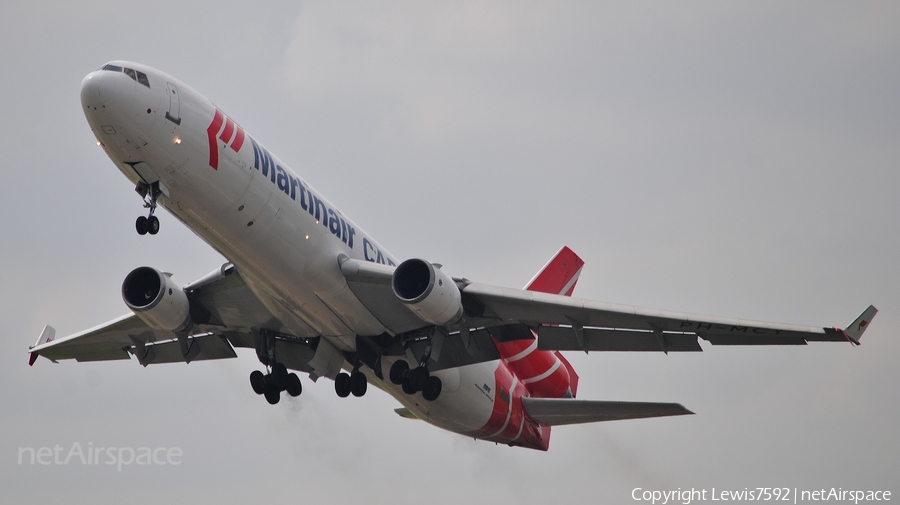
463,405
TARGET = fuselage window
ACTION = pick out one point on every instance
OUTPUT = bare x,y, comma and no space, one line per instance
142,78
112,68
130,73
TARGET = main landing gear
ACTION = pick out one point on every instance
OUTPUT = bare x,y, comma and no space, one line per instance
355,383
415,380
150,193
272,384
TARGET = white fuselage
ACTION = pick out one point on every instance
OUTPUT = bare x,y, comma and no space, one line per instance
283,236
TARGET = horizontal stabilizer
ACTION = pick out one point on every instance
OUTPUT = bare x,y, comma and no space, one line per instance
558,411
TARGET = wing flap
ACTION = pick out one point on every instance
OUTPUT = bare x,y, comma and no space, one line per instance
561,338
560,411
196,348
752,340
103,355
455,352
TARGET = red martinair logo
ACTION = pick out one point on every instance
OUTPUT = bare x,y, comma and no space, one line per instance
232,135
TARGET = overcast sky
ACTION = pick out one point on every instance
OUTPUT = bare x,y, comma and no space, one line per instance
724,158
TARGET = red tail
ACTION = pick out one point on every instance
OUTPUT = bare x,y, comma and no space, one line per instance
525,371
546,374
559,275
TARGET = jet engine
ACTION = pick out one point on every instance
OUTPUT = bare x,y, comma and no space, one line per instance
156,299
427,291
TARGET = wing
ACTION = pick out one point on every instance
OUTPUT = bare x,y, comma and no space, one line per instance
227,314
566,323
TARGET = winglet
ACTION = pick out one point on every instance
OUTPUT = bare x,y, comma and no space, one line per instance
47,336
856,329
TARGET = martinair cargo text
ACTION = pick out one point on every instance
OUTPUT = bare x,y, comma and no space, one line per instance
310,291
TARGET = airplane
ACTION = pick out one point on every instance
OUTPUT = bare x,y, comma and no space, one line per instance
311,292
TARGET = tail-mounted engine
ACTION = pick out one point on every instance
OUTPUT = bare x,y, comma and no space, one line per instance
156,299
427,291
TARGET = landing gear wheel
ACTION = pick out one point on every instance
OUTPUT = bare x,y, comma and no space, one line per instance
399,370
152,225
258,382
358,384
417,377
294,388
408,387
342,385
280,376
272,394
432,388
141,225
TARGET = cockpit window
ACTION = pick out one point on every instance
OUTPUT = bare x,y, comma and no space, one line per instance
142,78
134,74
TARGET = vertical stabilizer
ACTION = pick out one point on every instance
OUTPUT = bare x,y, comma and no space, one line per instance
546,374
559,275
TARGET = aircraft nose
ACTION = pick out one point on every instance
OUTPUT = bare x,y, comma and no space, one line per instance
107,92
91,96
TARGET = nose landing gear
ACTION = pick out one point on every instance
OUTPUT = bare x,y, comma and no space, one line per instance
145,225
150,193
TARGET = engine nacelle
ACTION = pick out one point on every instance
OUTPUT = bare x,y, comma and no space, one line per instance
427,291
156,299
